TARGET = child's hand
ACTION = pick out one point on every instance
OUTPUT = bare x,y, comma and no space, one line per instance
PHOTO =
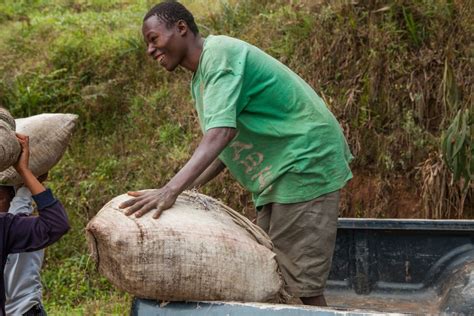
22,163
21,166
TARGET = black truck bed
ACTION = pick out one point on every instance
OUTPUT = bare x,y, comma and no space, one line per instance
412,266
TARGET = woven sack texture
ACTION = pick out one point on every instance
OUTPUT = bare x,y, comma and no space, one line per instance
198,250
9,147
7,118
49,137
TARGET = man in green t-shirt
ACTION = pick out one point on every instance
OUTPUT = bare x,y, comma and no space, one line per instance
270,129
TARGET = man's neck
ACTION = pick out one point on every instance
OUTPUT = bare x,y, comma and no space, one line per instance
191,62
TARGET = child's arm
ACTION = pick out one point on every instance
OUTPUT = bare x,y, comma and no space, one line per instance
22,201
30,233
22,167
33,233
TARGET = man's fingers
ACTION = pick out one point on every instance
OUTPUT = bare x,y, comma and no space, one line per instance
135,193
138,204
128,212
145,202
159,209
158,213
131,202
127,203
145,209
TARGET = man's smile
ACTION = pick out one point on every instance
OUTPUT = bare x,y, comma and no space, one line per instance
160,57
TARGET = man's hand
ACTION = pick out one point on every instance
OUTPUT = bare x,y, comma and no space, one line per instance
159,199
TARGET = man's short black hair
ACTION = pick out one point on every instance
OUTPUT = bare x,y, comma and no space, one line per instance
171,12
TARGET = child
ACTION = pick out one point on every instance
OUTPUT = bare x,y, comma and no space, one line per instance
23,288
20,233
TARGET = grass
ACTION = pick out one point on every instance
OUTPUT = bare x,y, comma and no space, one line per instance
395,75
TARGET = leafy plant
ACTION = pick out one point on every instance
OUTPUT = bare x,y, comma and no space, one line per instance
411,26
458,146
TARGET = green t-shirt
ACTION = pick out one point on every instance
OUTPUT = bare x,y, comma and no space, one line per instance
289,147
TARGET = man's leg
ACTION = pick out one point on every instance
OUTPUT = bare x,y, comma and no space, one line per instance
303,235
314,300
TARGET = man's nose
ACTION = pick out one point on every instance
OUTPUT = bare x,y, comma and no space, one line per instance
150,49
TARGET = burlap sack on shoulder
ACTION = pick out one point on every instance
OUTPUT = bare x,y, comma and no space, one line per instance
9,147
49,137
6,117
198,250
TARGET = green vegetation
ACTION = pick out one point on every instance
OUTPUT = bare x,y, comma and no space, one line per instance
458,147
395,75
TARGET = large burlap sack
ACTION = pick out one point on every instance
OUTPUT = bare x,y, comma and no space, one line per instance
9,147
6,117
198,250
49,136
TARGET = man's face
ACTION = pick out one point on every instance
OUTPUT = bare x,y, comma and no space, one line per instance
5,198
165,45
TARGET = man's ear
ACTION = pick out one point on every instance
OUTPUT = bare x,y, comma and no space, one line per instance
182,27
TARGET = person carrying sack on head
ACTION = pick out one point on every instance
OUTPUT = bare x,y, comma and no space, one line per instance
23,233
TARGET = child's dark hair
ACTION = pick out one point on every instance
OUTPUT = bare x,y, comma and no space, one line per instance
7,192
171,12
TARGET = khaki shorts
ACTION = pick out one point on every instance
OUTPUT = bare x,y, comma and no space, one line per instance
303,235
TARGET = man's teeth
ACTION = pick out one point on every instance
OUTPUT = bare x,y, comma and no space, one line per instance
160,59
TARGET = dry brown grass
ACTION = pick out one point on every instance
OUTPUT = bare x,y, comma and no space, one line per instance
442,196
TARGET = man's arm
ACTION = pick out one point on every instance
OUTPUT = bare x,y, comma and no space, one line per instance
212,144
210,173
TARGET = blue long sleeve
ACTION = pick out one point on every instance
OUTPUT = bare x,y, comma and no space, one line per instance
35,232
